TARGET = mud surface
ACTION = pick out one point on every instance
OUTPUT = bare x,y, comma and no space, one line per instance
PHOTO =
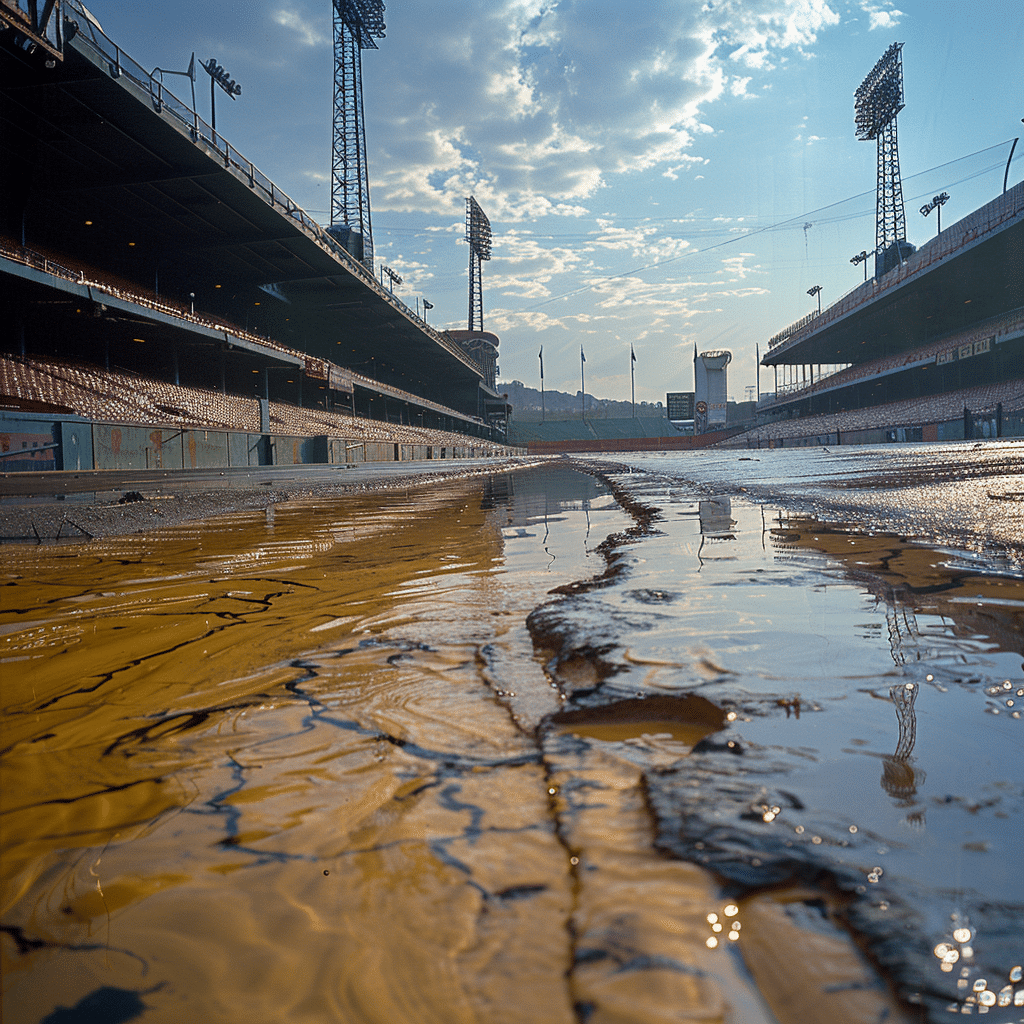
528,748
142,504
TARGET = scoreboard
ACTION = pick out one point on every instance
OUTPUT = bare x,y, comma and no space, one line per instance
679,405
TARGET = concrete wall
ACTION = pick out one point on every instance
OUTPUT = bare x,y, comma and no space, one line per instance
34,442
29,445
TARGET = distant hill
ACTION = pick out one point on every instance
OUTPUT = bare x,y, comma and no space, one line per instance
559,405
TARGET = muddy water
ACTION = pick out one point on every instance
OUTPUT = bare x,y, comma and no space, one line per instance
389,761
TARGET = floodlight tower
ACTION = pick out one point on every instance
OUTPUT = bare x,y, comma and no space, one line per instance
478,234
876,104
357,24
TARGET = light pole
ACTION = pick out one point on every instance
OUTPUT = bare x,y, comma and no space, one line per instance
192,302
816,290
393,277
583,387
632,381
229,85
861,257
937,203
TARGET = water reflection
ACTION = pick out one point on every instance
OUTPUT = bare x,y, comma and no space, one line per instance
233,750
899,777
805,632
716,524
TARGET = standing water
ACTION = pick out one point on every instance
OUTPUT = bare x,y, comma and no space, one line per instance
453,755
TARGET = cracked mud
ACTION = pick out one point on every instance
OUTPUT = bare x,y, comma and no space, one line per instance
536,749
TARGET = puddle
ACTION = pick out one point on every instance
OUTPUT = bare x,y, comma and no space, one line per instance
543,739
869,748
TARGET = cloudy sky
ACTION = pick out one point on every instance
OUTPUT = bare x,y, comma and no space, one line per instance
664,174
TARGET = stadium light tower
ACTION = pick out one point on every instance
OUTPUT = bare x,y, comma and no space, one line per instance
357,24
816,290
876,103
478,234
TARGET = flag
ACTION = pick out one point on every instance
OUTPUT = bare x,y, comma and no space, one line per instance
583,358
192,67
427,305
632,354
540,356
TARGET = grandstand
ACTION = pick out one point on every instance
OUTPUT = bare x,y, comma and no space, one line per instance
151,275
931,350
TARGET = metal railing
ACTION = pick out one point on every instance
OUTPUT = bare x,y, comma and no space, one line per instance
31,258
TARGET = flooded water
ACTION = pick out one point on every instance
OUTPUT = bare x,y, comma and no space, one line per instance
530,749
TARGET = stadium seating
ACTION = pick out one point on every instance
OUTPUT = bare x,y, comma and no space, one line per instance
999,327
908,412
121,397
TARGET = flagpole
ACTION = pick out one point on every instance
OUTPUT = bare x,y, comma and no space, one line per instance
583,388
540,355
632,380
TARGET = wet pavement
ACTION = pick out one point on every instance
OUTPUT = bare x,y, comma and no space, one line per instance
532,748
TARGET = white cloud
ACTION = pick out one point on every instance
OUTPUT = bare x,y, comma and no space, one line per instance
735,267
309,31
533,106
881,15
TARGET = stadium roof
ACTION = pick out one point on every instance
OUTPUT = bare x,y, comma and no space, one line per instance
970,273
102,162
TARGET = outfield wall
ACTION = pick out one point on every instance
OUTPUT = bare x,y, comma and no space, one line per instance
39,442
678,442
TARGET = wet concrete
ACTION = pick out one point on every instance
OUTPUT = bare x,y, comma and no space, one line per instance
510,750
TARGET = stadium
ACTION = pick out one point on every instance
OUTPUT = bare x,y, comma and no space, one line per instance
932,346
930,350
166,305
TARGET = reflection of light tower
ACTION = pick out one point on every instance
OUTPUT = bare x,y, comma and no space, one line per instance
478,234
876,103
899,778
357,23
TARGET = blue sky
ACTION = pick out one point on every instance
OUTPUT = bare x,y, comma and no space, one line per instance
667,173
